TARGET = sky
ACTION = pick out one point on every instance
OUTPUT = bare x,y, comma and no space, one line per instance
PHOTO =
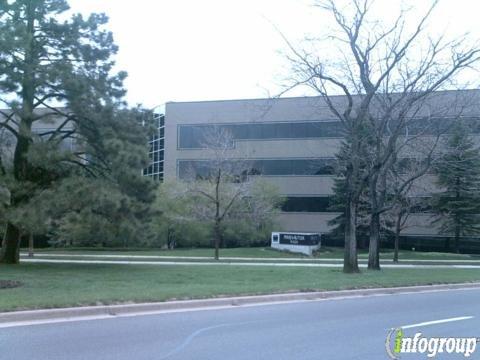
192,50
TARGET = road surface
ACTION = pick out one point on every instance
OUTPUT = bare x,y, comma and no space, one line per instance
354,328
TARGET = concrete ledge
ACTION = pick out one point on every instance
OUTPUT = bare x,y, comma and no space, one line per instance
105,311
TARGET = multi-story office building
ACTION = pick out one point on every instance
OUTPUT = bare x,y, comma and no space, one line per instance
292,142
42,130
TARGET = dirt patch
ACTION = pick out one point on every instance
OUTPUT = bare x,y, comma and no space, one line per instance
9,284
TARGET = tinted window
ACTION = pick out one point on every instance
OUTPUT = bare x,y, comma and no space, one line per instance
306,204
191,136
202,168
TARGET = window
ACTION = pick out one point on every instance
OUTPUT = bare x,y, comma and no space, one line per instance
307,204
274,167
156,151
191,136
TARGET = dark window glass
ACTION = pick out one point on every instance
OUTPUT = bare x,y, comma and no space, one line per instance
239,131
284,131
278,167
196,169
315,129
306,204
300,130
185,137
322,167
191,136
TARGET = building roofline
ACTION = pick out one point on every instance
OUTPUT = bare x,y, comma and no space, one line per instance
294,97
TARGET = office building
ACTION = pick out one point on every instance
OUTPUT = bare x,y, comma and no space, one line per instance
291,142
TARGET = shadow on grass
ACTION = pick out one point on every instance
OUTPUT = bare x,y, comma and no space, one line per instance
9,284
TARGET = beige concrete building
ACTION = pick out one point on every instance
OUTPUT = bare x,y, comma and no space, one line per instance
291,142
42,130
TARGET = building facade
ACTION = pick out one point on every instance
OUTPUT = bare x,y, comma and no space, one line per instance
157,149
292,142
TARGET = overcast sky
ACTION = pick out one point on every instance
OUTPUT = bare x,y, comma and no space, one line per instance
182,50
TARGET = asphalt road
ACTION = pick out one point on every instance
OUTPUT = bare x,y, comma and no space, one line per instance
354,328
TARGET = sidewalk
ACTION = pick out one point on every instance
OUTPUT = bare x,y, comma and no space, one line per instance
222,258
331,264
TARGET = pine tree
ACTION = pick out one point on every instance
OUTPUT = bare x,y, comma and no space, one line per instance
457,206
339,200
337,204
53,67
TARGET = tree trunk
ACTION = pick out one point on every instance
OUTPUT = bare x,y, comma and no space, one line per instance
377,189
350,261
217,239
10,253
374,246
222,241
398,223
456,243
30,245
457,239
170,238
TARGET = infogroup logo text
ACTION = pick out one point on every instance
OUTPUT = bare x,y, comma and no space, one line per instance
397,343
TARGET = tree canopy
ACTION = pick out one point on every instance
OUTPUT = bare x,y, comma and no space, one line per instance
66,119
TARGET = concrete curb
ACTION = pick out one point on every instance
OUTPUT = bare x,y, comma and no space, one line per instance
105,311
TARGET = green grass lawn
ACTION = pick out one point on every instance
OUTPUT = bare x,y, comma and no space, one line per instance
260,252
59,285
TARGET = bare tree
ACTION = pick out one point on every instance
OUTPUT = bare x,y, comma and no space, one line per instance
389,77
224,189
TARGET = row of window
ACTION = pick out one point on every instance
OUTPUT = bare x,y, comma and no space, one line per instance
307,204
157,144
278,167
325,204
272,167
193,136
156,151
154,168
156,156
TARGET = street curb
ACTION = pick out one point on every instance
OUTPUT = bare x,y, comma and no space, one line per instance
76,313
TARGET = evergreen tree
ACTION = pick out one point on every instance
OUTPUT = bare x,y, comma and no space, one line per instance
61,69
337,204
457,206
340,198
